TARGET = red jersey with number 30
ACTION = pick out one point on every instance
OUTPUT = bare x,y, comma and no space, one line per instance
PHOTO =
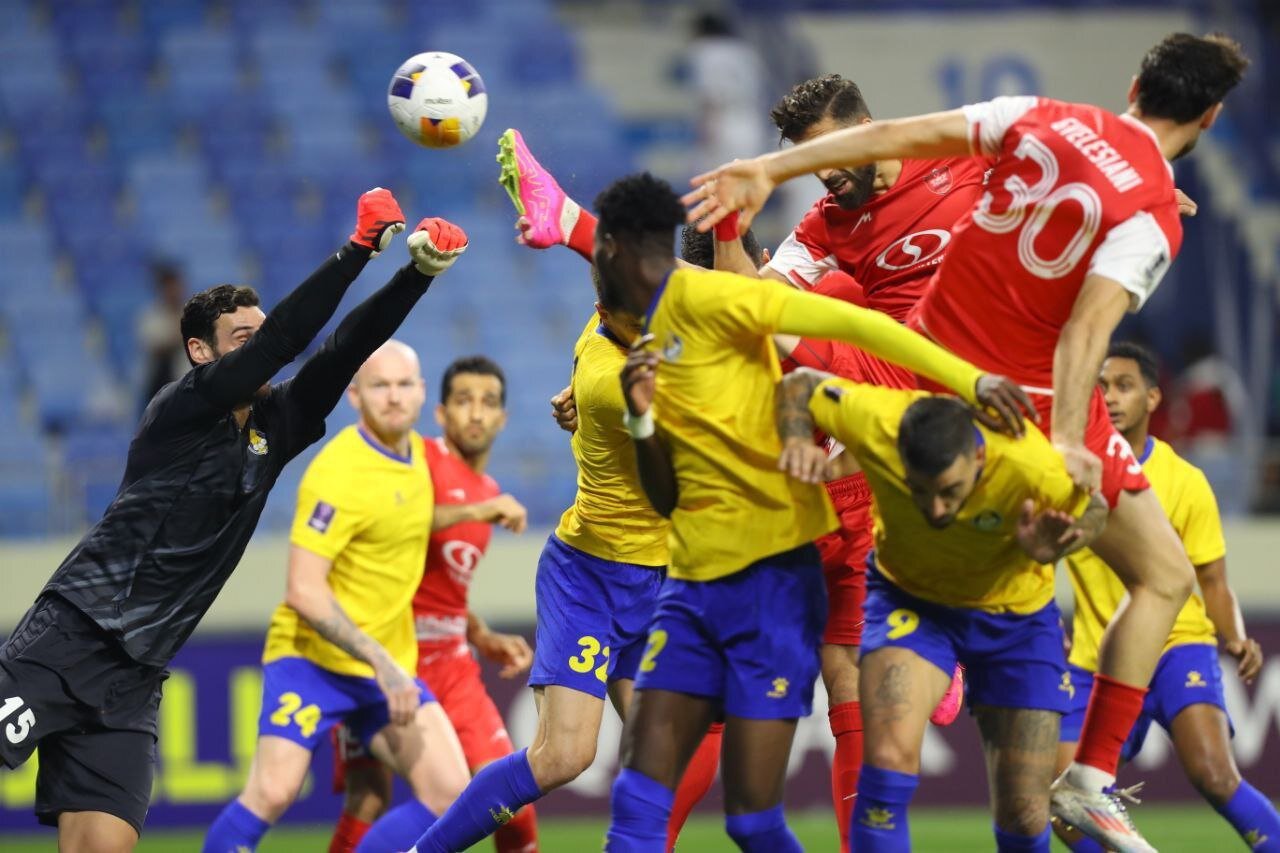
892,243
1075,191
440,605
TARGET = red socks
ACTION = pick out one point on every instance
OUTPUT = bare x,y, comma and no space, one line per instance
1113,709
695,783
582,239
846,725
347,834
520,834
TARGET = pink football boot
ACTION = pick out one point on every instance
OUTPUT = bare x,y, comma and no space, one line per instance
547,215
952,701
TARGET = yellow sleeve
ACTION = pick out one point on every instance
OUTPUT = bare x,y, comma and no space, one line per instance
1200,526
847,410
328,514
1057,490
742,307
812,316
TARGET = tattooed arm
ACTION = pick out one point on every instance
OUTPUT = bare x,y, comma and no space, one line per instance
308,592
801,458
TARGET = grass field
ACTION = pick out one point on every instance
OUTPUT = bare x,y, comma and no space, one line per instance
1172,829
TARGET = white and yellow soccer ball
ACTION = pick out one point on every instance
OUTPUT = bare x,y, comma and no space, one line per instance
437,99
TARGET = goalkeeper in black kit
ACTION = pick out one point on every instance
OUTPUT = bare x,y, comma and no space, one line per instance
80,676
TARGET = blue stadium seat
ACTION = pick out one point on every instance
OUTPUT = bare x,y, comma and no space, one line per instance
171,15
136,125
93,456
26,504
111,61
545,55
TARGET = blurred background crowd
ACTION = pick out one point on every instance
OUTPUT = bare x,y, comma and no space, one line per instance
150,148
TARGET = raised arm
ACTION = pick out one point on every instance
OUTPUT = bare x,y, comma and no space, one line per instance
810,316
234,378
801,458
746,184
321,381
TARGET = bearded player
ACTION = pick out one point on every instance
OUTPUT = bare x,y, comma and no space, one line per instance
875,240
1078,225
471,413
1186,697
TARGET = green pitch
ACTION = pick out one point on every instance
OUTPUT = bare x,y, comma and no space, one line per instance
1172,829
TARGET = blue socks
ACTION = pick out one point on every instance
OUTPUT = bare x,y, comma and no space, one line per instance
235,829
762,832
492,798
880,814
1007,842
397,829
1254,817
639,812
1087,845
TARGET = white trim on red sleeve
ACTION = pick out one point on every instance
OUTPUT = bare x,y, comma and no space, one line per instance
990,120
794,260
1134,254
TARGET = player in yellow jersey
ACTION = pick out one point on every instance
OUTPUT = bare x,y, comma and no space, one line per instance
740,614
597,583
968,522
1185,696
341,648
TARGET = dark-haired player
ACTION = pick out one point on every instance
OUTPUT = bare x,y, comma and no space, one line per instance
471,413
80,676
969,523
875,239
1078,225
1185,695
739,616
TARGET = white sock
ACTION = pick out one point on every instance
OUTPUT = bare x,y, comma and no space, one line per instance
1089,777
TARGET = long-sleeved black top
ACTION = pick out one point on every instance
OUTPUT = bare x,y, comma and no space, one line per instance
196,481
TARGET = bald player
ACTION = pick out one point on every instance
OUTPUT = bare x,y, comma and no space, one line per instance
341,647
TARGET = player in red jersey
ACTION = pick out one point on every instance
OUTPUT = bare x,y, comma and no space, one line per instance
471,413
1077,226
875,240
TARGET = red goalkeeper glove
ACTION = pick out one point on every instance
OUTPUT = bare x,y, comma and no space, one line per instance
378,219
435,244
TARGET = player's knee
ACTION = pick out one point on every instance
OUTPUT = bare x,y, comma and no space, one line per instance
1172,583
269,795
1216,781
888,754
559,763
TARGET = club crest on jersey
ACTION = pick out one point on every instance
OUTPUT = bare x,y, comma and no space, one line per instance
672,347
321,517
257,443
939,180
988,520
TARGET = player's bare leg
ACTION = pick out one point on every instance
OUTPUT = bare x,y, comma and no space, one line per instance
899,690
1139,544
275,777
564,744
427,755
1020,746
94,832
662,731
1202,740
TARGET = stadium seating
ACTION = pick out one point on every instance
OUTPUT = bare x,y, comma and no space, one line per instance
231,139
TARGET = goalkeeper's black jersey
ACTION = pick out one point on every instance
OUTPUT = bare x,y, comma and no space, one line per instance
196,482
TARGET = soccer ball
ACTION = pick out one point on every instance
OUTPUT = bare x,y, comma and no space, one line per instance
437,99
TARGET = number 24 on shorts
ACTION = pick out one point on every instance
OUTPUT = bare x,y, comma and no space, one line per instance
291,708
